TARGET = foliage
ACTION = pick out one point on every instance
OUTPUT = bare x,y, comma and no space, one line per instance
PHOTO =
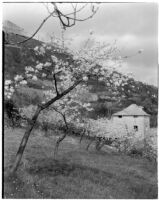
151,145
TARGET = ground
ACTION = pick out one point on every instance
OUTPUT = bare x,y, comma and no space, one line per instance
75,173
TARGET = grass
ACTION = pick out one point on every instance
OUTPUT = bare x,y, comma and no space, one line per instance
76,173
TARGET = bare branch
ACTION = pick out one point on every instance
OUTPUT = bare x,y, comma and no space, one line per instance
86,17
72,13
82,135
60,139
55,80
68,18
63,115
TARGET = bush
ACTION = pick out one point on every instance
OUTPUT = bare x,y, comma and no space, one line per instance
12,113
150,152
136,152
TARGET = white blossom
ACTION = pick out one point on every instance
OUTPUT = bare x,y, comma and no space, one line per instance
34,78
43,75
18,77
100,79
85,78
54,59
96,70
24,82
39,66
42,51
6,87
29,69
29,75
8,82
36,48
12,90
47,64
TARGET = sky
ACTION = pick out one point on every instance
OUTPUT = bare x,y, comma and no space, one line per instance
132,25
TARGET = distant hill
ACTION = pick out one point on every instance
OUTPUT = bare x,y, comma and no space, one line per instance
10,27
104,101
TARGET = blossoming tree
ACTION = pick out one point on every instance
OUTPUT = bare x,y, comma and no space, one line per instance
69,76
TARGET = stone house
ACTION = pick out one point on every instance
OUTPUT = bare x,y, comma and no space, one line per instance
134,119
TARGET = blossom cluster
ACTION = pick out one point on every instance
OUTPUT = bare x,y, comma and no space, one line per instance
8,89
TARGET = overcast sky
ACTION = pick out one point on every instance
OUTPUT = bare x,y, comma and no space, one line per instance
133,25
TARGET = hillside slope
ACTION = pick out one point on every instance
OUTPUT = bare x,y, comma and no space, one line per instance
76,173
103,99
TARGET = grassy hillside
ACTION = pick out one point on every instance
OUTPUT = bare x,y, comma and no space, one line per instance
76,173
17,58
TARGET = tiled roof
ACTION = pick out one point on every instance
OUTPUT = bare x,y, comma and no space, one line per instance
133,109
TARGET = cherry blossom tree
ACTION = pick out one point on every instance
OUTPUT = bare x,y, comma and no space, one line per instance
68,75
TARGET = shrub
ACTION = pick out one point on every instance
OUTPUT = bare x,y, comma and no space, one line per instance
12,112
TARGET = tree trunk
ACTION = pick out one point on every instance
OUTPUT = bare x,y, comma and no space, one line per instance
99,144
60,139
90,142
82,135
32,123
24,141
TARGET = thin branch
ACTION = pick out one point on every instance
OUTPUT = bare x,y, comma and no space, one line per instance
55,80
60,139
47,104
89,144
63,115
72,13
68,24
82,135
84,18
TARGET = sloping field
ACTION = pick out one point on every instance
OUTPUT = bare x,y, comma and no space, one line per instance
76,173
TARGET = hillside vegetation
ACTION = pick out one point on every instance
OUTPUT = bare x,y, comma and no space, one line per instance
102,98
77,171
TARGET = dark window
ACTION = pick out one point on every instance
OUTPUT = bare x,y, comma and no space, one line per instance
136,128
120,116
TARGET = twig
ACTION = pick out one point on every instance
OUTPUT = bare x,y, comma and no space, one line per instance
68,24
82,135
57,92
